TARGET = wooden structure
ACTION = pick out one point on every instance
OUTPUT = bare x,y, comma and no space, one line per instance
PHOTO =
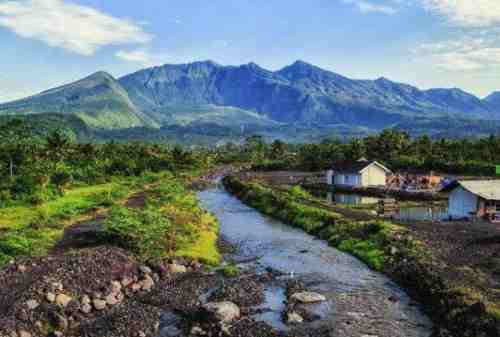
415,180
387,207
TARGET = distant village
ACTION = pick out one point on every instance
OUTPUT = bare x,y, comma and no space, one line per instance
468,199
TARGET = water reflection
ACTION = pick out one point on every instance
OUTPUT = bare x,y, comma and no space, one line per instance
422,213
414,213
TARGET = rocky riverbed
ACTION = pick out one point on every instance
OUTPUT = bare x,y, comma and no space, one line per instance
286,284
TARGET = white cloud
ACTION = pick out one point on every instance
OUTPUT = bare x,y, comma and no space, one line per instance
368,6
142,56
77,28
466,13
472,51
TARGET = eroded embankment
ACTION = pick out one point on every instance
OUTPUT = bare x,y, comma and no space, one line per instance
456,311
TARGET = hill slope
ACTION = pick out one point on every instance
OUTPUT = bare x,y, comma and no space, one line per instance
99,100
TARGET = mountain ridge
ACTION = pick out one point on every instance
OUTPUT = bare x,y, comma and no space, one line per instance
248,94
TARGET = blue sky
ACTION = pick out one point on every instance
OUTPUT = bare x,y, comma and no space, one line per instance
428,43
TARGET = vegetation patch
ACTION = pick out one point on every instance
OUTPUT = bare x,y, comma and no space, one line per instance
32,231
171,224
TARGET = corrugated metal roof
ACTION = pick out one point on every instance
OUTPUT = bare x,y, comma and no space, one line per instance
486,189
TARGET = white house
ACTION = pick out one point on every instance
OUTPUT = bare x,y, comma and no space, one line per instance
474,198
358,174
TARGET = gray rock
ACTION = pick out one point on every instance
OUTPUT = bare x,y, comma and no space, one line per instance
50,297
32,304
86,308
111,300
294,318
307,297
126,281
116,287
57,286
177,268
86,299
24,333
147,284
223,311
145,270
196,330
99,304
63,300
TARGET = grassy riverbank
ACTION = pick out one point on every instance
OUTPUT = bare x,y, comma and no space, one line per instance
169,221
457,310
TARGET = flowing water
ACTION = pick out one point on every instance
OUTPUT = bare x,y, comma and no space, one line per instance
361,302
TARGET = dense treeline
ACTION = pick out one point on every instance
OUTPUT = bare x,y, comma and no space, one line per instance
36,167
394,148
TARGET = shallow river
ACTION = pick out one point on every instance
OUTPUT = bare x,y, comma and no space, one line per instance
360,302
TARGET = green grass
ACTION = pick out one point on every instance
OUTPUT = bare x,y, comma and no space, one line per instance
172,224
369,252
32,231
205,248
231,270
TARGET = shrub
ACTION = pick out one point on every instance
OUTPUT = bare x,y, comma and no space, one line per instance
231,270
61,180
146,231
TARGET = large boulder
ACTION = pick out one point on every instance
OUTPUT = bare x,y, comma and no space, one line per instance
223,311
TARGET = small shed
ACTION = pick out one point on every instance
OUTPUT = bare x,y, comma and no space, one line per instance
358,174
474,198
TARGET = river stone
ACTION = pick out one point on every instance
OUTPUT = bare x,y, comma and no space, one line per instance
294,318
99,304
63,300
86,299
308,297
126,281
24,333
145,270
50,297
223,311
57,286
148,283
111,300
196,330
32,304
116,287
86,308
177,268
136,287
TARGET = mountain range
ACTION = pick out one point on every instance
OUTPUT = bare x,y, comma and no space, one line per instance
249,96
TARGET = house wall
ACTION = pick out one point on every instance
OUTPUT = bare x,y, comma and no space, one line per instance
347,179
329,177
461,203
373,176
